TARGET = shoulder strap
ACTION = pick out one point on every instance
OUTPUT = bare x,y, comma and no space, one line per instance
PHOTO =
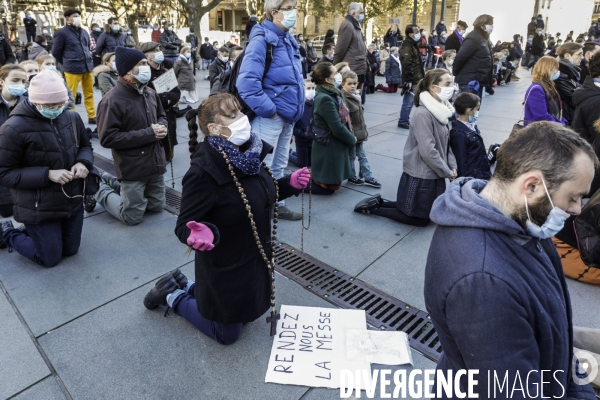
74,126
525,102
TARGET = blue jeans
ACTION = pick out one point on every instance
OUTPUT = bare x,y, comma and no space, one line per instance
48,242
407,105
205,62
277,133
467,89
358,150
185,306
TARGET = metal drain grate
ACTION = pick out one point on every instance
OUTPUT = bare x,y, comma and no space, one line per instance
383,311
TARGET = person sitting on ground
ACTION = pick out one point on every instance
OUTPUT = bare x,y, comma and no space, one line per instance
132,123
494,285
428,159
330,162
48,62
393,72
106,73
502,72
217,70
169,100
185,76
38,48
570,55
44,161
466,141
222,213
542,101
359,129
301,156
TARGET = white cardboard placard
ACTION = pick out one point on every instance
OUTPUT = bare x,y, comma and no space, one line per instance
378,347
166,82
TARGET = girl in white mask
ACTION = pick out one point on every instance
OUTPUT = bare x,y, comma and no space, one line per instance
427,161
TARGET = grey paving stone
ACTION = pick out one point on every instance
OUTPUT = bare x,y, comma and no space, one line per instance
390,144
47,389
419,362
400,272
21,364
338,236
584,300
390,107
378,121
123,351
113,259
386,170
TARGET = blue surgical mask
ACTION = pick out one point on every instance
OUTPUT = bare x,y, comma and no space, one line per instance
555,75
50,113
338,79
473,118
144,74
554,222
417,37
113,65
361,17
462,32
16,90
289,18
116,28
159,57
50,67
188,55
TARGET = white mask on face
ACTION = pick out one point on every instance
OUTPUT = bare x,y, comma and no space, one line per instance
446,92
489,29
450,61
309,94
77,21
240,131
553,224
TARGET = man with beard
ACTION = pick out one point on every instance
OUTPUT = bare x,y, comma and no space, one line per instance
494,284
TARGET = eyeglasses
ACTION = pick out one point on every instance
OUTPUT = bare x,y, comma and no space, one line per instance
54,106
287,9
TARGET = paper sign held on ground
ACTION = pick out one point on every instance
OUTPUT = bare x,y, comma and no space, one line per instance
165,82
309,348
377,347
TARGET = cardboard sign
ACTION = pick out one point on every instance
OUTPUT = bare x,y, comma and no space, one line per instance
309,348
166,82
388,348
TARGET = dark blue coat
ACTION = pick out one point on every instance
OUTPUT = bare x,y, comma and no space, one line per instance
393,74
282,89
469,150
498,298
71,48
109,41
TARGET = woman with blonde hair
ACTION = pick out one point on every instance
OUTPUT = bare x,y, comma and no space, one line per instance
49,62
542,101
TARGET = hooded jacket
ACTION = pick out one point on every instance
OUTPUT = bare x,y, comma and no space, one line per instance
566,84
587,110
282,89
36,52
107,78
32,145
498,298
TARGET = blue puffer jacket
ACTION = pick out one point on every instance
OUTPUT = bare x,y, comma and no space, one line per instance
71,48
282,90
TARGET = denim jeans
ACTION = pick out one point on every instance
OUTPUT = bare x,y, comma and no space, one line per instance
277,133
358,150
407,105
205,63
534,59
467,89
185,306
48,242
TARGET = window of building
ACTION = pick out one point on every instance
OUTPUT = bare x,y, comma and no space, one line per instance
597,7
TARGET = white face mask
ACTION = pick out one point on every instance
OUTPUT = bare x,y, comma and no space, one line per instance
554,222
489,29
170,29
224,58
77,21
240,131
309,94
450,61
446,93
338,79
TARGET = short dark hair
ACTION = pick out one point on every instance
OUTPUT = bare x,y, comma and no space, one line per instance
410,29
321,72
462,23
465,100
589,46
330,32
111,20
545,146
594,67
39,39
327,47
206,39
224,50
71,11
568,48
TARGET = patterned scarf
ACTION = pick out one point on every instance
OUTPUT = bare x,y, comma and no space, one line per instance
248,161
342,109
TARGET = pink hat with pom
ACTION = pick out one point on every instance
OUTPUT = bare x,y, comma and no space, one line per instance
47,87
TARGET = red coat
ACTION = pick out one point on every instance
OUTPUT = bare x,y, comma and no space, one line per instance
155,33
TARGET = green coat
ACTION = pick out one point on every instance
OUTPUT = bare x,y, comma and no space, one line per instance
331,163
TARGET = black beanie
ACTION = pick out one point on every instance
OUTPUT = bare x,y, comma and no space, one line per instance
126,59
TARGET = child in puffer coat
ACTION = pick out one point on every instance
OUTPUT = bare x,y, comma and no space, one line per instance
359,128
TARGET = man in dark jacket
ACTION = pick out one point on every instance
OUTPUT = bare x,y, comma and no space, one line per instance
473,63
589,50
532,26
30,26
71,48
328,51
170,42
217,70
350,46
538,47
518,50
412,71
249,25
192,39
111,39
441,27
570,55
494,284
6,53
587,106
456,38
131,122
540,22
206,53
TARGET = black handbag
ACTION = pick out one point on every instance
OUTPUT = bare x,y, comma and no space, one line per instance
92,181
317,134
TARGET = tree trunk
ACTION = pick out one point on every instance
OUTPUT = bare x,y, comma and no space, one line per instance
196,11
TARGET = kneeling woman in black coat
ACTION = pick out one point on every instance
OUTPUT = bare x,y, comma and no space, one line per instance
228,195
44,160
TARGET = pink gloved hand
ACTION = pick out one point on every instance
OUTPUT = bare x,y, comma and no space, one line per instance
300,178
201,237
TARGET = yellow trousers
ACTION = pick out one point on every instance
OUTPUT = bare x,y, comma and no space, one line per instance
87,85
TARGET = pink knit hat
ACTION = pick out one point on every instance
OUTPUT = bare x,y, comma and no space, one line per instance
47,87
